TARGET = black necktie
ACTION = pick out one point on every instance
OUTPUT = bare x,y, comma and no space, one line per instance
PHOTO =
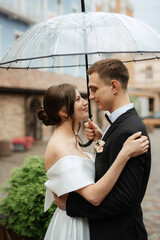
108,119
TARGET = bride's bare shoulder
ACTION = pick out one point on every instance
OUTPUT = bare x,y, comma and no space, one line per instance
55,150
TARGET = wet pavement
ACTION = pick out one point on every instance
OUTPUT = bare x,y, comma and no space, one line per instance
151,202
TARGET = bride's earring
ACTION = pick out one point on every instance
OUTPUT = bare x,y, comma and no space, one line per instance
64,117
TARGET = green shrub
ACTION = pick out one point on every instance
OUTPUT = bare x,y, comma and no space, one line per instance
23,207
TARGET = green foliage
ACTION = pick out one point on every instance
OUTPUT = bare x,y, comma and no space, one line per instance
23,207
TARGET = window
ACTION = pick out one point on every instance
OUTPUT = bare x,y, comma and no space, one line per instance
151,104
149,75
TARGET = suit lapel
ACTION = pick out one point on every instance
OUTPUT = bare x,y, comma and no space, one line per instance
121,118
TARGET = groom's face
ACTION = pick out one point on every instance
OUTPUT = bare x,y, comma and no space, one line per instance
100,92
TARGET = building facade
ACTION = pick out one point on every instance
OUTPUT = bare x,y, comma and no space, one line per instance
146,87
19,98
21,92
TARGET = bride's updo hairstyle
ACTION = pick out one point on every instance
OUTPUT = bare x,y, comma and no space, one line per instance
57,98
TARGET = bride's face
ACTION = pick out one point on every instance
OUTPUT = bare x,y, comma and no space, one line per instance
80,107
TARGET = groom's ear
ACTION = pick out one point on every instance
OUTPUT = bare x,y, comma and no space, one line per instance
115,85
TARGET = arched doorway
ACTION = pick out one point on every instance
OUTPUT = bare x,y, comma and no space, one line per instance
34,124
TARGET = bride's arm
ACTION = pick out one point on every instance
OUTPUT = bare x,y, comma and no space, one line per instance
95,193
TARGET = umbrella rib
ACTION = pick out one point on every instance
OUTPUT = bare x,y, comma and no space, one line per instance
153,32
29,63
108,34
27,45
133,57
53,61
128,32
17,59
156,55
73,54
75,31
96,32
38,42
32,55
99,19
56,42
139,60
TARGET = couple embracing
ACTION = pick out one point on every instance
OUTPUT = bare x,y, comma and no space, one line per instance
97,199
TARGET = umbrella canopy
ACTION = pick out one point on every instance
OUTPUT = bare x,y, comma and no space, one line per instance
83,34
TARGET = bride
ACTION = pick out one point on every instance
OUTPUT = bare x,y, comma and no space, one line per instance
69,168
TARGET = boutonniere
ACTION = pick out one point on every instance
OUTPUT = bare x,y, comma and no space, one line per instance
98,148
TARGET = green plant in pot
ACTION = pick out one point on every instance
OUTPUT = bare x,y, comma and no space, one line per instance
23,207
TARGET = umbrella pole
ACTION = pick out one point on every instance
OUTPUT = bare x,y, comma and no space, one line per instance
87,77
89,104
86,63
82,6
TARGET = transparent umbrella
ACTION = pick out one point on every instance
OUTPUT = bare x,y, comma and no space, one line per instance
85,35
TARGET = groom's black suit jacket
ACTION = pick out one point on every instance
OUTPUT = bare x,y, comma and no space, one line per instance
119,216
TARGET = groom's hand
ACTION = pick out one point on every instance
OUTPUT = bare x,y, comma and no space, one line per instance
93,132
61,201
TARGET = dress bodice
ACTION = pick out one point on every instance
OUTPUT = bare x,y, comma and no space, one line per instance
68,174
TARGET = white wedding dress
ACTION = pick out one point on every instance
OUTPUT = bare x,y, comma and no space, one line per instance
66,175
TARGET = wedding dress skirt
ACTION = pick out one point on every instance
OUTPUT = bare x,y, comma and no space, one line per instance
66,175
63,227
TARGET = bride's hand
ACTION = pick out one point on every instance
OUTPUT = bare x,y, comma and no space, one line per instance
61,201
136,145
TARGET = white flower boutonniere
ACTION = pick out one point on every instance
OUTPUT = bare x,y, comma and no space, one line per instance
98,148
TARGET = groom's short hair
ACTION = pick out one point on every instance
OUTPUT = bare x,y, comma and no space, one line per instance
109,69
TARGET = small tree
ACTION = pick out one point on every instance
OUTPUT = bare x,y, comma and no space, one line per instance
23,207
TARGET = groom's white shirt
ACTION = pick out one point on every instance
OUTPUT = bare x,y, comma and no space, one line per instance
118,112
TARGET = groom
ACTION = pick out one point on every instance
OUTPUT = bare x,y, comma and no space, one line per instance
119,216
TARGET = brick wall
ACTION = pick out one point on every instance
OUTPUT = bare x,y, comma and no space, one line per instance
12,123
13,112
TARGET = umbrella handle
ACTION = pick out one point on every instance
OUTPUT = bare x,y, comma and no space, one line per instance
85,144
